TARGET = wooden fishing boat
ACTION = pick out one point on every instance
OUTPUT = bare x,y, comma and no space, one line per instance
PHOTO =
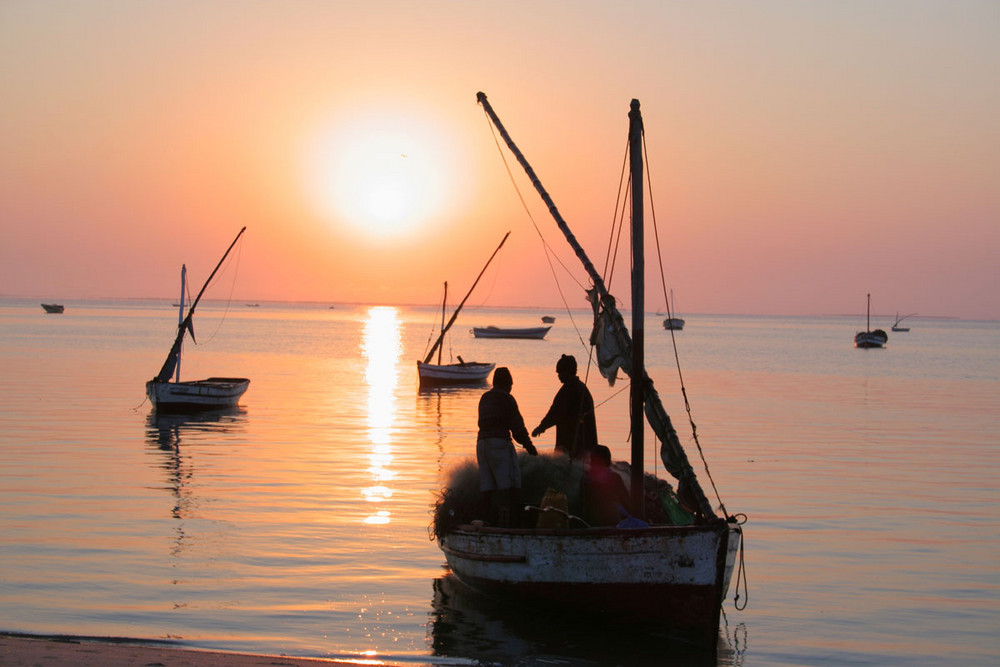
464,372
53,308
532,333
192,395
869,338
897,326
672,575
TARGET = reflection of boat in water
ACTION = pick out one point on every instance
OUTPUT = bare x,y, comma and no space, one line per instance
466,625
672,571
54,308
192,395
532,333
165,433
464,372
869,338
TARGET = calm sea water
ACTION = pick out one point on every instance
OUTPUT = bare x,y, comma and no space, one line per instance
298,524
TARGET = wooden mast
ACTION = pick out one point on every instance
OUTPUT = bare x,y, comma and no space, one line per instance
180,317
444,330
444,304
636,388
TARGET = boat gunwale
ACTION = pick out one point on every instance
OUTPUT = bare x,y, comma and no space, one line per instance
593,531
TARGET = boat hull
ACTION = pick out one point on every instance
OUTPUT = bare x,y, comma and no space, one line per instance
868,339
469,373
196,395
54,308
534,333
674,577
673,323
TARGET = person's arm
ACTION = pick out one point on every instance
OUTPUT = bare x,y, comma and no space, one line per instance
518,430
552,416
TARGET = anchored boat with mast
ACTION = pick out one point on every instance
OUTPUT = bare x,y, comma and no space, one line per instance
464,372
193,395
674,576
869,338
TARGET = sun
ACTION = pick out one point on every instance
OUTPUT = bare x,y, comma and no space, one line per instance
385,177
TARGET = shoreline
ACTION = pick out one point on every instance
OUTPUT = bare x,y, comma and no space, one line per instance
25,650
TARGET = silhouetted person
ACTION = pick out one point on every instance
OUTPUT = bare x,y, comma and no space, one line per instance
602,491
572,413
499,421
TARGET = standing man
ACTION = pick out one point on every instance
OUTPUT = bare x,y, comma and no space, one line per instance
572,413
499,421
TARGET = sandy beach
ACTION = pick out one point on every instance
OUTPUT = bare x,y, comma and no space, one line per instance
61,651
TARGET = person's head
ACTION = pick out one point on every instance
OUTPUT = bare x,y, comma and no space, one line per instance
502,379
566,367
600,456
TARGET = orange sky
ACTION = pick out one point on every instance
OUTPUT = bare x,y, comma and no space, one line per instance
801,154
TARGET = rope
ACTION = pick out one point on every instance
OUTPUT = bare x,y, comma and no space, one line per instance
547,249
229,301
673,338
741,574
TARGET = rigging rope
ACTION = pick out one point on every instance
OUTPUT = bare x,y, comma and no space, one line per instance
549,252
229,301
673,338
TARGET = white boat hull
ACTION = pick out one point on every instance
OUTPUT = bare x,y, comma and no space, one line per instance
534,333
196,395
433,375
673,576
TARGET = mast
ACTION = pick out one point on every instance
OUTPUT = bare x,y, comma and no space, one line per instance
180,317
444,304
174,355
444,329
868,316
638,308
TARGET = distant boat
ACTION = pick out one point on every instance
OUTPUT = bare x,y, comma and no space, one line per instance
896,327
464,372
673,323
53,307
534,333
548,319
869,338
253,305
192,395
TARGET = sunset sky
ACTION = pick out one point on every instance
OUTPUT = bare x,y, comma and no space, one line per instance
802,154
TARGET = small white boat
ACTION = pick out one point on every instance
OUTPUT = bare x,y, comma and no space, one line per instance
896,325
464,372
671,323
534,333
869,338
53,308
193,395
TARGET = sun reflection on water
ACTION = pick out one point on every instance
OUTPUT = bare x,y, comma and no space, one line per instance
382,348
